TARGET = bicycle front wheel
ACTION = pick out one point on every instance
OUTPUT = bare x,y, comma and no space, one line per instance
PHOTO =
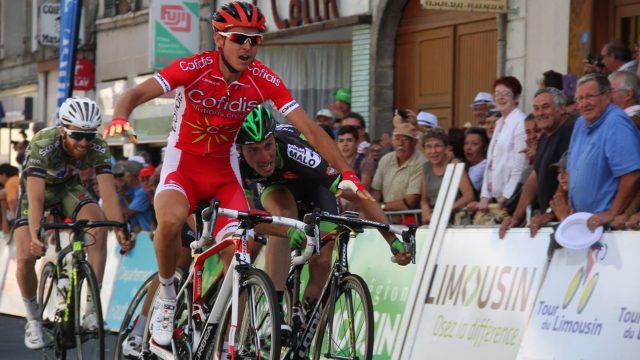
346,327
258,333
132,314
51,322
89,324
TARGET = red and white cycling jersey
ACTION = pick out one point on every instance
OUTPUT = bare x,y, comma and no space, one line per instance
208,111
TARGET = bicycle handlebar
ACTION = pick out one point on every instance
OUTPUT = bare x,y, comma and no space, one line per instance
351,220
80,225
254,217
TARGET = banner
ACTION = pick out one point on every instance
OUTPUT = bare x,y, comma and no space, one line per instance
589,304
174,31
69,16
389,285
495,6
480,295
135,267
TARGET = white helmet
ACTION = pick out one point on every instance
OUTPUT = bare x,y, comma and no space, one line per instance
81,112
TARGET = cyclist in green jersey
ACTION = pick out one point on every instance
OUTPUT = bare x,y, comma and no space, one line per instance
50,178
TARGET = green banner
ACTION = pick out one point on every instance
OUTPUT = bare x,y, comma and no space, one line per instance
389,284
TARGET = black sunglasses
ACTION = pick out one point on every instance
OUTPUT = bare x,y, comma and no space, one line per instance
79,135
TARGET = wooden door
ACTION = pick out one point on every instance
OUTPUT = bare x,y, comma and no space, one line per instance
424,72
442,60
475,65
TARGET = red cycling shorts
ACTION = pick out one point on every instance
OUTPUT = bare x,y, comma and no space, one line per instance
201,178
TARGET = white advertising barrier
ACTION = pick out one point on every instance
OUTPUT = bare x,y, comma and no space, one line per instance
589,304
5,253
10,296
481,293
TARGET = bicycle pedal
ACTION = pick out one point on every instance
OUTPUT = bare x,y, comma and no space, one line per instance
160,351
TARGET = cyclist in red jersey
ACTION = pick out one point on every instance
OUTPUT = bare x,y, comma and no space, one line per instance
215,90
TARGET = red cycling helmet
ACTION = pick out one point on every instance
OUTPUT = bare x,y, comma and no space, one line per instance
240,14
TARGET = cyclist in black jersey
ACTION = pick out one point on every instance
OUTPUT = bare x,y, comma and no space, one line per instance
287,170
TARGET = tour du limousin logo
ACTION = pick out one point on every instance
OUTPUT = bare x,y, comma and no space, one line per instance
584,279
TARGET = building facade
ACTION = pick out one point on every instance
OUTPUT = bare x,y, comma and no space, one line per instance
391,53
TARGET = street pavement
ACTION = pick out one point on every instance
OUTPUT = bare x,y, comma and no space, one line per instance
12,341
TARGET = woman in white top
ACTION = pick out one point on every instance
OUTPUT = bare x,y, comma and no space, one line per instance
505,158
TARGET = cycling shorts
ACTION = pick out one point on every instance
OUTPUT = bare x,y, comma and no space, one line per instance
69,195
201,178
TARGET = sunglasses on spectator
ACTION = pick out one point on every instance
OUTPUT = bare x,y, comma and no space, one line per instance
241,38
79,135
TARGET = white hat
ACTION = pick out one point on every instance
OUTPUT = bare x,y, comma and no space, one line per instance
483,98
325,112
427,119
137,158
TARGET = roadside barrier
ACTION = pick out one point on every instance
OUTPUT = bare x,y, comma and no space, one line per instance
470,294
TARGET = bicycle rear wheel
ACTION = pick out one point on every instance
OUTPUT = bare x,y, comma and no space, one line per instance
258,332
89,324
51,322
131,315
346,326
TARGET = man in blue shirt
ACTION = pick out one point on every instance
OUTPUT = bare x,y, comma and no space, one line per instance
139,208
604,154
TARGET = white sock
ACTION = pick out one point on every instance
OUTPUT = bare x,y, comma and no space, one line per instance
138,329
167,290
33,310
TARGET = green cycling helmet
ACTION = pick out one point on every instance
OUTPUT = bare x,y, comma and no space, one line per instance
257,126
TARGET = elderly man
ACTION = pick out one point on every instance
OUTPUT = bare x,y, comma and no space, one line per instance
480,106
625,92
396,183
604,165
614,56
549,113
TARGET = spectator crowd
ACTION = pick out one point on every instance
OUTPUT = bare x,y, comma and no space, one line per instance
578,151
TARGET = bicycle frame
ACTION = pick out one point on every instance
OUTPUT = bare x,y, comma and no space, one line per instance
230,287
339,269
348,224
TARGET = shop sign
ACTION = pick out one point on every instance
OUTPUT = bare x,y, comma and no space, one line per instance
84,75
495,6
49,29
304,12
174,30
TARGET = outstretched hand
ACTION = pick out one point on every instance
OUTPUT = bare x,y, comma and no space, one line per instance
349,181
120,126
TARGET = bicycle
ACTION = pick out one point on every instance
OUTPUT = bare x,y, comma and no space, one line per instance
77,292
133,310
244,292
344,311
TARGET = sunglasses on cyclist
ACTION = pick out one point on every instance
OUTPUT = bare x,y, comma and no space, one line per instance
79,135
241,38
